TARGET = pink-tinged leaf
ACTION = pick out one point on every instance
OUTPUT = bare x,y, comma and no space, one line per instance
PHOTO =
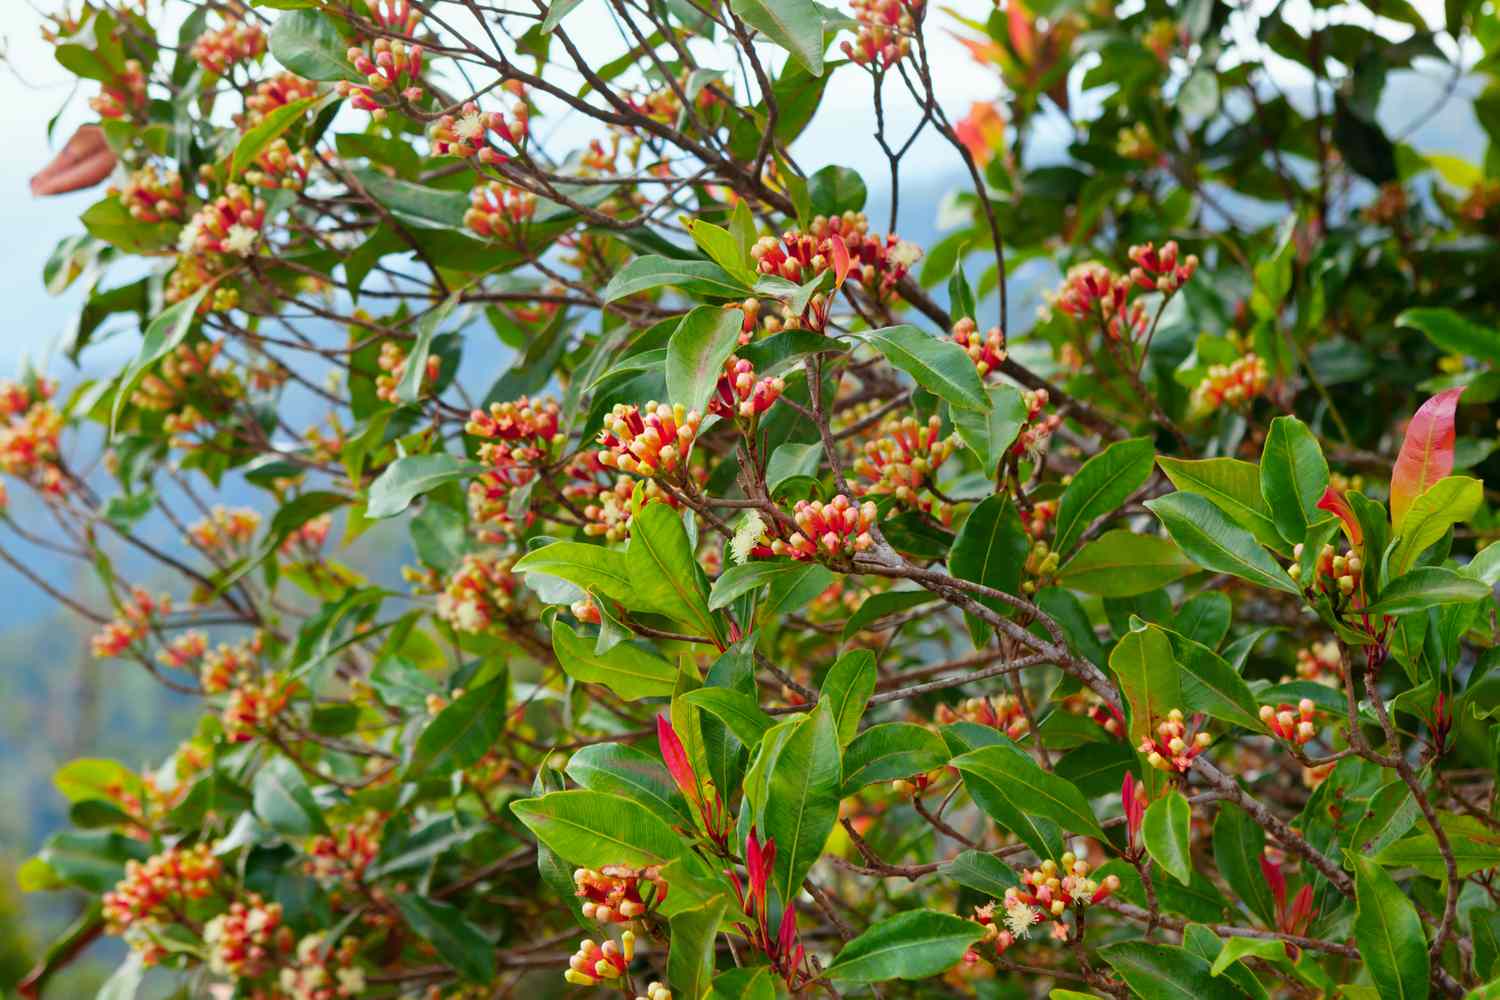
676,758
1276,880
1022,30
1302,906
1335,504
1135,809
1426,454
840,261
84,161
758,864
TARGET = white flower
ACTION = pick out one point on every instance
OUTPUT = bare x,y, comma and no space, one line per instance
746,535
240,240
1019,918
905,253
352,981
470,126
187,240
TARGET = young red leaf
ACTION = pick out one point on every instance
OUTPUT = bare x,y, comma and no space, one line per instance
840,261
1426,454
1022,30
676,758
1334,503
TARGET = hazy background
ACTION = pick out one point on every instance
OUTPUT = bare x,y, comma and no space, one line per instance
56,702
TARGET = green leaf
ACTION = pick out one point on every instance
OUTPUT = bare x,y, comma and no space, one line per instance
1389,933
1443,504
795,25
1211,685
556,11
740,712
749,983
991,550
1101,486
90,778
125,980
704,340
1122,563
307,43
878,606
462,732
266,131
627,670
283,802
591,567
1040,791
1293,477
1475,847
1147,673
690,958
696,277
723,249
1234,487
407,478
891,751
457,942
1097,768
739,580
414,202
621,769
792,461
664,575
409,390
1007,804
939,366
801,807
593,829
93,860
1427,587
835,190
1166,831
982,872
1236,948
165,333
989,435
847,690
1453,333
911,945
1392,811
1216,543
1238,844
1204,618
1167,972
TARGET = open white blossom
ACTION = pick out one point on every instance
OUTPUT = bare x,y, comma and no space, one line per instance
746,534
240,240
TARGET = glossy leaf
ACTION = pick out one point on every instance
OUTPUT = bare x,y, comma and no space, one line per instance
1238,844
1293,477
458,942
698,277
627,670
911,945
939,366
1453,333
802,802
1389,933
1122,563
1166,831
1034,789
462,732
1168,972
989,434
165,333
665,577
735,709
991,550
408,478
1442,505
1216,543
1148,675
697,352
592,568
307,43
1231,485
891,751
1101,486
690,958
283,801
594,829
1427,587
1426,454
795,25
847,689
